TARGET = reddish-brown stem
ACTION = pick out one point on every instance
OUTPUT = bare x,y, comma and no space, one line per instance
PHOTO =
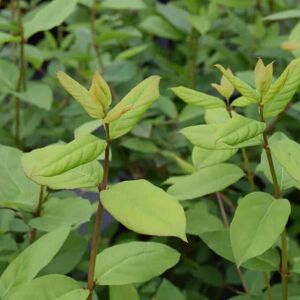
97,227
37,214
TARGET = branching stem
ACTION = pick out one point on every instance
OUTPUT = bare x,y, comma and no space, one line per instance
97,228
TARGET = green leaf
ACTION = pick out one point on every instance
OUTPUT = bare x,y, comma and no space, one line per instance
200,221
140,145
287,14
48,16
236,3
8,38
131,52
123,292
123,5
51,287
284,179
168,291
87,127
196,98
34,258
16,189
161,27
81,95
63,212
145,208
48,165
219,242
204,158
246,90
286,93
133,262
238,132
294,40
257,223
287,152
201,23
139,100
205,181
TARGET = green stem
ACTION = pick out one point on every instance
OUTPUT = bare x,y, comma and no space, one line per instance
278,195
97,232
37,214
268,286
22,69
192,63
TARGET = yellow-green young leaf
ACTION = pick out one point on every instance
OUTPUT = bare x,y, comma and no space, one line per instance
54,160
145,208
32,260
236,133
241,102
246,90
193,97
133,262
205,181
185,166
276,87
263,76
51,287
286,94
287,153
127,113
81,95
100,91
257,224
238,130
123,292
225,88
204,158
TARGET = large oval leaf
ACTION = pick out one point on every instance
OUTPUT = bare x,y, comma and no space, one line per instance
138,100
257,223
51,287
41,165
145,208
133,262
205,181
49,16
32,260
193,97
63,212
123,292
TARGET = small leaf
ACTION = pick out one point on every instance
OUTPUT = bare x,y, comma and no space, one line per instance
196,98
257,224
129,4
34,258
263,76
246,90
145,208
133,262
205,181
51,287
135,104
55,160
123,292
100,91
81,95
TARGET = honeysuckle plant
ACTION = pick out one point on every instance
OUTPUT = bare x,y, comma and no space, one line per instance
255,237
138,204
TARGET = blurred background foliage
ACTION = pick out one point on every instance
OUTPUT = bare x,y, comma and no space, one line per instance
180,40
